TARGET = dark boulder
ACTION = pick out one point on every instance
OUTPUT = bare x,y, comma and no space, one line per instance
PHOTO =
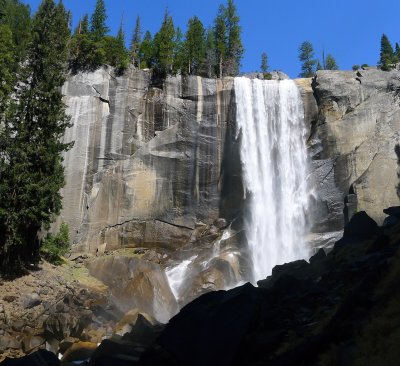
39,358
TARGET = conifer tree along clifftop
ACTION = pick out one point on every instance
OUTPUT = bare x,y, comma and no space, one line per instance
98,27
306,56
387,57
30,164
164,46
195,47
235,50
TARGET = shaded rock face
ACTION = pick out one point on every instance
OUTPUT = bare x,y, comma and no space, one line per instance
148,163
353,145
135,283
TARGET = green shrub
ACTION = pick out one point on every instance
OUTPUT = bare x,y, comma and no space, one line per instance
267,76
363,66
356,67
55,246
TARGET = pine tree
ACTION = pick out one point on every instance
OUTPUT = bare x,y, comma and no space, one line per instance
83,26
319,66
220,40
116,54
135,43
306,56
98,27
397,53
164,46
17,16
195,45
30,164
234,50
330,63
387,55
211,59
146,51
7,67
264,63
180,56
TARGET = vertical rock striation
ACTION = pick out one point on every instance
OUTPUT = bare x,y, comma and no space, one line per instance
148,163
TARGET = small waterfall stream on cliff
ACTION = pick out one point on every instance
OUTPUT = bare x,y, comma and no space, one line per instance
270,120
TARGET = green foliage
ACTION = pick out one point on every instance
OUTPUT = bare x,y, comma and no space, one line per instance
387,56
319,66
85,53
83,26
98,27
31,164
264,63
397,53
195,46
220,39
211,57
180,56
234,49
146,51
54,247
306,56
363,66
135,43
164,46
7,61
330,63
267,76
115,52
356,67
17,16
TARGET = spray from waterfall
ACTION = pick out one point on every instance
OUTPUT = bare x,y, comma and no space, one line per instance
270,118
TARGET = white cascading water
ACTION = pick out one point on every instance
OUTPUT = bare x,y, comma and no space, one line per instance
270,118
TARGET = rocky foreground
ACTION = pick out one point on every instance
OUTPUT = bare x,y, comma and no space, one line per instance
340,308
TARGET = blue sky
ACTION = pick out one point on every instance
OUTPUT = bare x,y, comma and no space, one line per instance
349,29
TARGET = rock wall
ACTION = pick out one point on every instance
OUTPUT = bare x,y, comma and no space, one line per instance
148,163
353,145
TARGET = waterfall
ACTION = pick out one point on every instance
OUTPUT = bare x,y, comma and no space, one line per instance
270,119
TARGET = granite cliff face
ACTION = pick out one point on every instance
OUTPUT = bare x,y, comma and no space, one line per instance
352,145
151,165
148,163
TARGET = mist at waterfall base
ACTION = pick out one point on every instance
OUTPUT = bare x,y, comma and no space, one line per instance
270,122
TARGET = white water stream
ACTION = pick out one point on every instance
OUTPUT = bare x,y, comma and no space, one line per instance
270,118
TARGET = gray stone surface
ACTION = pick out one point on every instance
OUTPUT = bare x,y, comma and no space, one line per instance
353,144
148,163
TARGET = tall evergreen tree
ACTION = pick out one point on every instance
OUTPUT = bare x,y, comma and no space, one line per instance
387,57
98,27
30,164
306,56
164,46
211,58
264,63
220,40
135,43
7,67
234,51
195,45
397,53
83,26
146,51
330,63
179,52
16,15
